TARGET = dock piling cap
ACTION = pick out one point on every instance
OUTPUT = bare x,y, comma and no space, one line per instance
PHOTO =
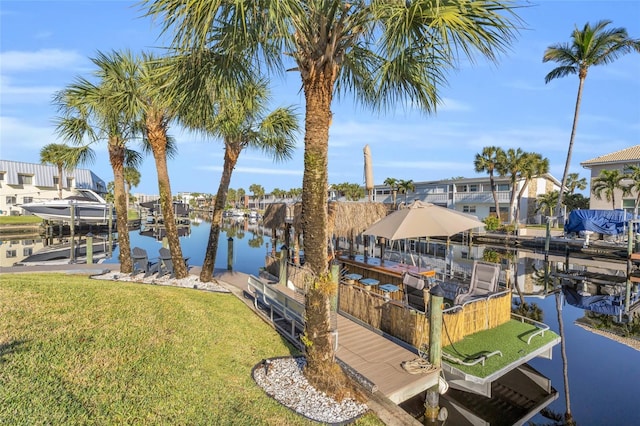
436,291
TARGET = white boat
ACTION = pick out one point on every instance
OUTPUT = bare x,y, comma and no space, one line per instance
85,205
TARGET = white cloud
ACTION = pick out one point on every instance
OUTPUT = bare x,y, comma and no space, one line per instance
21,61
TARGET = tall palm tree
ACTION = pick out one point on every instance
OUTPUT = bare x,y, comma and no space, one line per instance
244,122
406,186
64,157
590,46
258,192
608,182
131,179
90,113
487,162
383,52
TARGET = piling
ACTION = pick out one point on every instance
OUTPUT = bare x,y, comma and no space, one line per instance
89,248
432,401
72,225
282,263
230,254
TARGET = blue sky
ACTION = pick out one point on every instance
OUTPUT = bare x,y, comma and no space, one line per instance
44,45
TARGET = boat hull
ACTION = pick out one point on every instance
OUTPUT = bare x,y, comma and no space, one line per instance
62,212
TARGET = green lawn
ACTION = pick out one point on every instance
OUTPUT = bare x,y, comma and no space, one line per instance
509,338
79,351
19,220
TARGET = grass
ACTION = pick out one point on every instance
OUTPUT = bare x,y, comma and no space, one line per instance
509,338
19,220
79,351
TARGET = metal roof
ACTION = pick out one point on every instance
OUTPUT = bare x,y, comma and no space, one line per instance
631,154
43,175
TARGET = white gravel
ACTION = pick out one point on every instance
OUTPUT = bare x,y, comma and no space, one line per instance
192,281
282,379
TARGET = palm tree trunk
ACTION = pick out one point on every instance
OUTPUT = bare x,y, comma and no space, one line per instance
116,158
494,192
231,154
60,181
157,136
567,164
321,369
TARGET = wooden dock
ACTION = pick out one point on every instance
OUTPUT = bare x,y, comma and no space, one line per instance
376,358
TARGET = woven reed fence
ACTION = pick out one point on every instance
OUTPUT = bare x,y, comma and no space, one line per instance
411,326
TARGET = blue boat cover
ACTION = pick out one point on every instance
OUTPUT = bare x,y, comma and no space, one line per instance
608,222
602,304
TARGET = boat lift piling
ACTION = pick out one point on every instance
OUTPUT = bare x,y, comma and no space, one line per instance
432,400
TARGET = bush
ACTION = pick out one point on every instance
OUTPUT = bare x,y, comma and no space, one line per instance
492,223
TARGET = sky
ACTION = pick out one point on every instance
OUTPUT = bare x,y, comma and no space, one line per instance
45,45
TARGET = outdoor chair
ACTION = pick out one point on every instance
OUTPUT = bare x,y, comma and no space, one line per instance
166,263
484,282
141,262
414,287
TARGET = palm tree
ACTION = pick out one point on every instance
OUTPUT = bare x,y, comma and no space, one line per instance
634,187
385,52
574,181
512,163
243,121
593,45
534,165
257,191
405,186
547,202
90,111
487,162
131,179
393,184
609,181
64,157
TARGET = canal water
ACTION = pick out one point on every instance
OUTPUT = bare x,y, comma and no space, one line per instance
603,374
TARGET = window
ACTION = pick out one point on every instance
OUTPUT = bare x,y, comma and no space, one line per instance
461,188
627,168
70,182
469,209
27,251
27,200
473,188
1,176
503,187
11,253
56,180
11,200
25,179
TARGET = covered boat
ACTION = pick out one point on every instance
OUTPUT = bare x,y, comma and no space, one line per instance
606,222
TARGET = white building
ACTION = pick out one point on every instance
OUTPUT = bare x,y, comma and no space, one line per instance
22,183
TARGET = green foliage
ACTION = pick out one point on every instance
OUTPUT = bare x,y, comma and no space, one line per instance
492,223
491,256
528,310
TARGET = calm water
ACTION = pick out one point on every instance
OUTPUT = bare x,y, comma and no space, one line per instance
604,376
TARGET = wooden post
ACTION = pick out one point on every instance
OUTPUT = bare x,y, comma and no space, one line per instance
627,295
89,248
110,221
432,401
282,275
230,254
72,225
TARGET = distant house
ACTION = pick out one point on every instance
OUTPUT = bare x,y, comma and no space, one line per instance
474,196
619,160
22,183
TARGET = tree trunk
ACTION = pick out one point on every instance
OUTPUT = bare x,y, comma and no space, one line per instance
567,164
231,154
494,192
116,158
322,371
157,135
60,181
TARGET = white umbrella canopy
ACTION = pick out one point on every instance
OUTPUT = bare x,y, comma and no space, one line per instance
423,220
